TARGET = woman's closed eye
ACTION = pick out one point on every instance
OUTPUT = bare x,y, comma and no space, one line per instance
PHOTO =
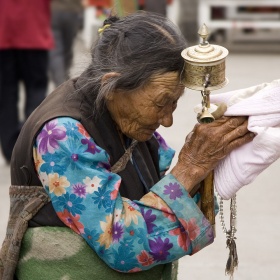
160,105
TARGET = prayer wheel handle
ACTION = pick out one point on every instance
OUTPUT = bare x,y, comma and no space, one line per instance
207,195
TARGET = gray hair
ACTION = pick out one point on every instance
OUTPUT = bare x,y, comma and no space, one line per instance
136,47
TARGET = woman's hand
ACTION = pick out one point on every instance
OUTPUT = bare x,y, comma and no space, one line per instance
206,145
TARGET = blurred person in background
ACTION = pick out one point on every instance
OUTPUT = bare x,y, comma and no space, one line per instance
66,17
125,7
25,39
158,6
103,7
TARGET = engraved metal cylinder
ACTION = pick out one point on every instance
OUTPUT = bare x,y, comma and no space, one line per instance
204,59
195,74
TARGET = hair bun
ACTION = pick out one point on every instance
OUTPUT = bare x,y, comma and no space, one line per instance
110,20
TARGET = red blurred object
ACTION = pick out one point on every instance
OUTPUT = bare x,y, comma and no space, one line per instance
142,2
25,26
100,3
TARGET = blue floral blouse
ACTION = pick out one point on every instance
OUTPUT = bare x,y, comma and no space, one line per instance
130,236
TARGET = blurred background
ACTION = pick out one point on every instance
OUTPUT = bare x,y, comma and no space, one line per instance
240,25
250,29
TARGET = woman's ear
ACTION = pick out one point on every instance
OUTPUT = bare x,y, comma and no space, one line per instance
108,76
105,79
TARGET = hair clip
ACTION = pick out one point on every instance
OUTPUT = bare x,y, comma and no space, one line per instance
100,30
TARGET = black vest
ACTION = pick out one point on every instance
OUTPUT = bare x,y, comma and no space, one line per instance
71,101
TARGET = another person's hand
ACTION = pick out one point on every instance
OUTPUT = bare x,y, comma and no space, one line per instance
206,145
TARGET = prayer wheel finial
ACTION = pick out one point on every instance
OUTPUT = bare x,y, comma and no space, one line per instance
203,33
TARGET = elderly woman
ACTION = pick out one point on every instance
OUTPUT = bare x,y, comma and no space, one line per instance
90,195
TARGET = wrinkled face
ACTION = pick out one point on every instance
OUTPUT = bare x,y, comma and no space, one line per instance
138,114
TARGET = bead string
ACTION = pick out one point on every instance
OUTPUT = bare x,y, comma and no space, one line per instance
232,261
233,213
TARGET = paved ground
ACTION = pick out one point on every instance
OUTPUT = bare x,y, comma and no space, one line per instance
258,225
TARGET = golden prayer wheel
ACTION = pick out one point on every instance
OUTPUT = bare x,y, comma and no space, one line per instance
205,59
205,71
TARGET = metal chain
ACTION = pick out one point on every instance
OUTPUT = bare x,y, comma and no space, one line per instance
203,92
203,101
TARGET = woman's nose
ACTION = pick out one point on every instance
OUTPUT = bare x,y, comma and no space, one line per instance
167,119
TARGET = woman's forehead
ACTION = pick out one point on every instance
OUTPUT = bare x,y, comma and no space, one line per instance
165,86
168,79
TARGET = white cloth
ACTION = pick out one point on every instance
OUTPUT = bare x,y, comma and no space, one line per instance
262,104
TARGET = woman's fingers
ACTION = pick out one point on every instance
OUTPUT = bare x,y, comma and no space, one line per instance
227,124
246,138
237,130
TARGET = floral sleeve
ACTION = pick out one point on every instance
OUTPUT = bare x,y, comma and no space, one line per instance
129,236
